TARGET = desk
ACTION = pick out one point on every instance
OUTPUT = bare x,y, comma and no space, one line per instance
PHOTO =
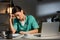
50,37
37,38
29,39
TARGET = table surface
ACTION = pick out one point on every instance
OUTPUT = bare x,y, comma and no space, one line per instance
36,38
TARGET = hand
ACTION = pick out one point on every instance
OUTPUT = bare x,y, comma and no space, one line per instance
22,32
12,16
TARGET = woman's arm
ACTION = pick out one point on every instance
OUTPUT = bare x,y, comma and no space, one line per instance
11,25
33,31
29,32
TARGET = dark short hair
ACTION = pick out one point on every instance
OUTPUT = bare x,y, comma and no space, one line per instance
16,9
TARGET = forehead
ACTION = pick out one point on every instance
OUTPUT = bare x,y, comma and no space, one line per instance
18,13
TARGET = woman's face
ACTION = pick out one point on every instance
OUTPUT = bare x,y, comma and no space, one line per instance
19,15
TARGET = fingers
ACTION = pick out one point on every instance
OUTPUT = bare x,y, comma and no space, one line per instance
12,16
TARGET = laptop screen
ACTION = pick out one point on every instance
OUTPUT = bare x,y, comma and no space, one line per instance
50,29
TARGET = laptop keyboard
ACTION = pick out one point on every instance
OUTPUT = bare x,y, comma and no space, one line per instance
38,35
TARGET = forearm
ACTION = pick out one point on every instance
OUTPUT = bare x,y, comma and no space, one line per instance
29,32
11,27
33,31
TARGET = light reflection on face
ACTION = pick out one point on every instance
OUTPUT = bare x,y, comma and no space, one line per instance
19,15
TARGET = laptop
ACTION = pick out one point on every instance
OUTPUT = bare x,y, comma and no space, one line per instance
50,29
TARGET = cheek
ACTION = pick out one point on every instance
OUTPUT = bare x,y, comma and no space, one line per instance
21,16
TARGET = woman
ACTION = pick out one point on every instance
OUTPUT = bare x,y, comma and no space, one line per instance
23,23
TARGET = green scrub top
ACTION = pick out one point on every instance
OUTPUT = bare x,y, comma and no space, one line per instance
30,24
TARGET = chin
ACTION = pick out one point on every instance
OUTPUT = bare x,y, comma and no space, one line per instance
20,19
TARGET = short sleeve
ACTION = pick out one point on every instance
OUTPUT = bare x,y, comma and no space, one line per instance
34,23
